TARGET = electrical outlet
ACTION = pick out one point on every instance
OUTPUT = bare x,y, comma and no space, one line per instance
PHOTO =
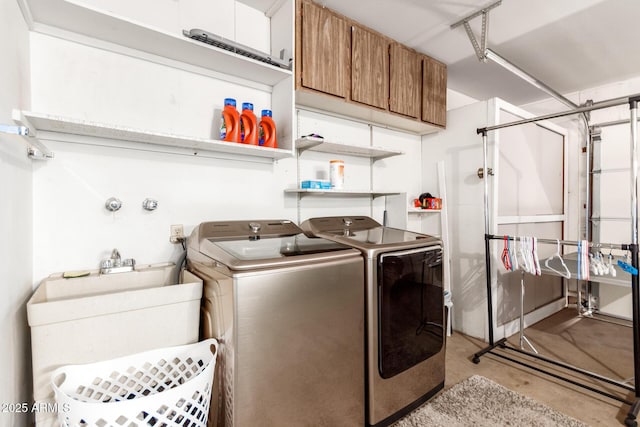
176,233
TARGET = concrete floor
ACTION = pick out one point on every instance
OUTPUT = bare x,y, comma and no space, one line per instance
598,346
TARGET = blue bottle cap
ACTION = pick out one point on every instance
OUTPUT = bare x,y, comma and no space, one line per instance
230,101
266,113
247,106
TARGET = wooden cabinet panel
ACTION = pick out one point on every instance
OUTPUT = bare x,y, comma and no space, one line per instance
325,50
369,67
405,80
368,75
434,92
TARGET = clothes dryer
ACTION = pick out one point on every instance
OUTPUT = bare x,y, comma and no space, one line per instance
404,312
288,312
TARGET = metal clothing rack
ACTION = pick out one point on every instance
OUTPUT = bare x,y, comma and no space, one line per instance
502,344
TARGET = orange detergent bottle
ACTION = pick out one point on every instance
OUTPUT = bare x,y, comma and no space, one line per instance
268,130
230,126
248,125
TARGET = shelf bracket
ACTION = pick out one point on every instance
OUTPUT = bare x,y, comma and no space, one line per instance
36,150
376,195
307,144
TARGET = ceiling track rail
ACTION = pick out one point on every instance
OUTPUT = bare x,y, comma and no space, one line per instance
514,69
484,53
480,48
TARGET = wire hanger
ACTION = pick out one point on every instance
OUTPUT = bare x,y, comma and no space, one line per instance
525,264
506,255
612,269
513,253
534,253
565,271
583,260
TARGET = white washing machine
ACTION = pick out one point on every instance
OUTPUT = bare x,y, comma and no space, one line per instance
288,312
404,312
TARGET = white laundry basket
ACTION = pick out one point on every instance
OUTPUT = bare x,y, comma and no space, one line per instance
167,386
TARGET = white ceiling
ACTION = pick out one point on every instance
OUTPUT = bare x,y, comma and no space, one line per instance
567,44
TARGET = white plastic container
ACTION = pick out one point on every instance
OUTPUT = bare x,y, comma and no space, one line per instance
99,317
166,386
336,174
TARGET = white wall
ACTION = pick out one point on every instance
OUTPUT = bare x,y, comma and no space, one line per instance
398,173
461,150
15,220
73,230
227,18
456,100
71,227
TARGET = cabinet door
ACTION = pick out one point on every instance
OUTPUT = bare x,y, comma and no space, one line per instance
434,92
405,81
369,67
325,50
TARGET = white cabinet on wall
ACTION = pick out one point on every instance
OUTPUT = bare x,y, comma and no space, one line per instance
112,66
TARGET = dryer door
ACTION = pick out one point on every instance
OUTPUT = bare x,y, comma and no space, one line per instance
410,308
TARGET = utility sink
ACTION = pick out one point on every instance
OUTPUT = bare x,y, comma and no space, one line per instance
103,316
60,299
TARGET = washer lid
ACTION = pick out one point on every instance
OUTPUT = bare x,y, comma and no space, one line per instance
246,229
360,230
269,248
381,236
245,245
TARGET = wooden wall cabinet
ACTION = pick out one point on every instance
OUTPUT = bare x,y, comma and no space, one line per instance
347,69
324,53
405,80
434,91
369,67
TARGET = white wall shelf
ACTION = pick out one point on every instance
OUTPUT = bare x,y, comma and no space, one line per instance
43,124
320,145
337,193
424,211
323,146
75,18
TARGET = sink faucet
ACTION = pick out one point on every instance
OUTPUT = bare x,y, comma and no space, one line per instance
115,256
116,264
